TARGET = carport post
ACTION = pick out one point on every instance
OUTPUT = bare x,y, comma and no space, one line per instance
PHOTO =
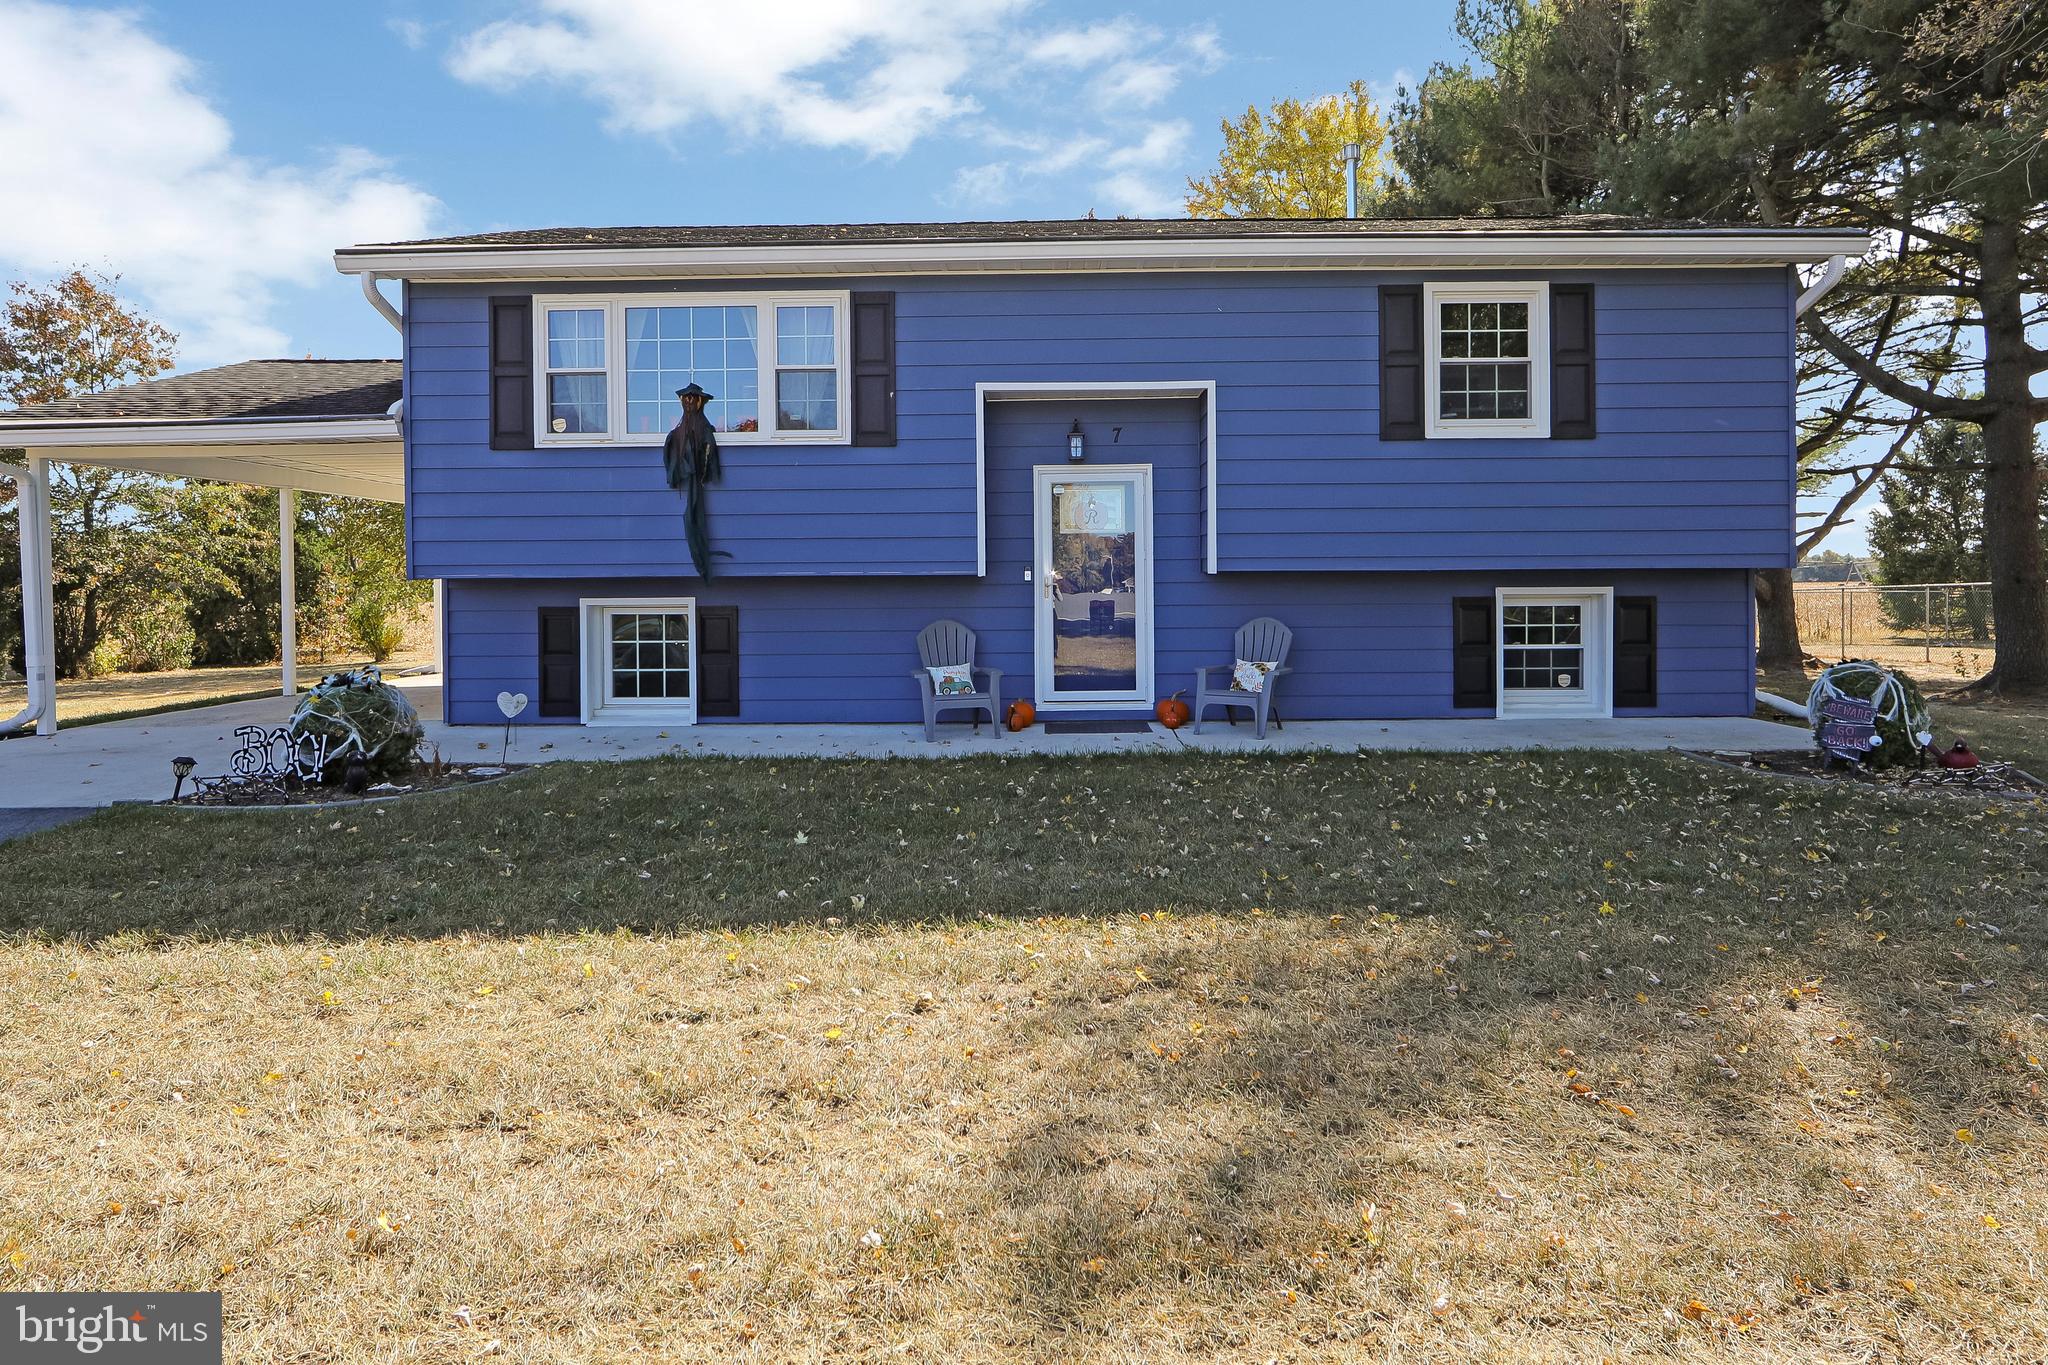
288,588
44,598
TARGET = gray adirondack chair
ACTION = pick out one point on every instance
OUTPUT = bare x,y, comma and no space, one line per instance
1258,641
948,642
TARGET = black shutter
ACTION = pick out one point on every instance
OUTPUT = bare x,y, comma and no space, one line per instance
512,373
1472,664
1635,651
1401,362
718,661
561,663
1572,404
874,369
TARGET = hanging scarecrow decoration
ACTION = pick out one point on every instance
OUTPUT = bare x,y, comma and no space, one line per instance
691,455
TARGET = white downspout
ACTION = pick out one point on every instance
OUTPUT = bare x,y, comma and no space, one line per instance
1797,710
1830,276
380,303
31,488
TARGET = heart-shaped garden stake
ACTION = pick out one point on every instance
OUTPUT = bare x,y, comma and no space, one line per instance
511,703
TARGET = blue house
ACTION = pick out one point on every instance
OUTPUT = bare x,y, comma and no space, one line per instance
1480,468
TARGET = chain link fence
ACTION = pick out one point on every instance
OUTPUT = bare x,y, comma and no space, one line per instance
1940,627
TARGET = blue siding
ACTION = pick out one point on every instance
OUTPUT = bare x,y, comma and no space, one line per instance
836,649
1692,467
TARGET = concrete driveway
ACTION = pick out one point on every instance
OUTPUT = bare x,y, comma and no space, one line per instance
98,765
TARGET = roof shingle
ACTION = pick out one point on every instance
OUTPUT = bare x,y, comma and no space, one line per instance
281,389
1074,229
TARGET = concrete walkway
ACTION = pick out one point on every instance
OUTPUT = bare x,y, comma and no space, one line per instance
97,765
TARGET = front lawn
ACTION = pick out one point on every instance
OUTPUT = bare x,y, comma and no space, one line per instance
1121,1059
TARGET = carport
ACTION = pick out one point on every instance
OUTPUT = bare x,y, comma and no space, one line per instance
318,426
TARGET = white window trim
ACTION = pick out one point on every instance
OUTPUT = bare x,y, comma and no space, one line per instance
615,306
1597,697
1537,424
597,657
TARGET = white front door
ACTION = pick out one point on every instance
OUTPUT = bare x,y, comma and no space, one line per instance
1093,595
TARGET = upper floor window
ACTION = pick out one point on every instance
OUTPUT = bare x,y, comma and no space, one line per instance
614,365
1488,359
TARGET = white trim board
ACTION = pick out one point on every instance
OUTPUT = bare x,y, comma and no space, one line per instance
1049,391
1340,249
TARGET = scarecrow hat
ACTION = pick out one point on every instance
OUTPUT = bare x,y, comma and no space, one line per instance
693,391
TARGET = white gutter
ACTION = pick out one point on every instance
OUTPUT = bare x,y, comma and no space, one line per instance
380,303
1459,250
1829,278
31,502
174,431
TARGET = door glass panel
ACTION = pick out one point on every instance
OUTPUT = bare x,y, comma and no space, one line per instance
1093,586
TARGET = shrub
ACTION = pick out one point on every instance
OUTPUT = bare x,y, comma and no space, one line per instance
156,636
373,629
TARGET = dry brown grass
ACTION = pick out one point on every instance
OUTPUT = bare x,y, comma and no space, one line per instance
1322,1111
81,700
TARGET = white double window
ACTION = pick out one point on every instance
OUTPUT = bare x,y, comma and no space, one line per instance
1488,360
776,365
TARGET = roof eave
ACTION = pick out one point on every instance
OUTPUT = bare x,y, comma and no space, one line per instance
1463,251
54,432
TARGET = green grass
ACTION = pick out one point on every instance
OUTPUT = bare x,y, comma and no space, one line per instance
689,843
1532,1056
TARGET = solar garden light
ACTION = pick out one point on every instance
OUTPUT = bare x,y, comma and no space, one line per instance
181,768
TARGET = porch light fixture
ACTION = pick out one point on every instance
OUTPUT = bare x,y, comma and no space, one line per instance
1077,450
181,768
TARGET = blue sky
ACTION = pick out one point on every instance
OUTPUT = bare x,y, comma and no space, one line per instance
254,139
214,154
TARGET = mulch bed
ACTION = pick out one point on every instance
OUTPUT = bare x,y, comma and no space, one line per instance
1986,779
258,792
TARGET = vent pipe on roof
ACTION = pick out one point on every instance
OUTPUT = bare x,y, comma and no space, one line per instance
1351,152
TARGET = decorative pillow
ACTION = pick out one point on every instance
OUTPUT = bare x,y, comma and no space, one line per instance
952,680
1249,676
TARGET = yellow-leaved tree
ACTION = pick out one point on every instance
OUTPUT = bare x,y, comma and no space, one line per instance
1288,162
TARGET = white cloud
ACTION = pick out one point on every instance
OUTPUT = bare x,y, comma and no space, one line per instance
1138,196
872,75
411,32
1385,93
1082,47
118,162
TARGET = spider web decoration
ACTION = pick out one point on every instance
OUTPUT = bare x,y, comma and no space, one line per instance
1897,713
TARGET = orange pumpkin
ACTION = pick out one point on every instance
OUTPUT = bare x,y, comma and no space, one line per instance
1021,714
1172,712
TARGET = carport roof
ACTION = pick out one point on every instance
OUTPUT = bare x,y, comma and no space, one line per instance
323,426
252,388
